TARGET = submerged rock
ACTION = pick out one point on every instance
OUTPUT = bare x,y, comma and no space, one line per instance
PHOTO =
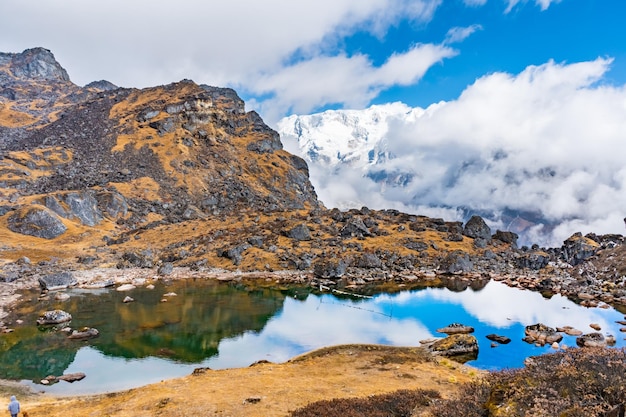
84,334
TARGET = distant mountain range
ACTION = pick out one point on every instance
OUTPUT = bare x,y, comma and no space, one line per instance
380,157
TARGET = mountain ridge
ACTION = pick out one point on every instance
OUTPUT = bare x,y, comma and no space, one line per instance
181,175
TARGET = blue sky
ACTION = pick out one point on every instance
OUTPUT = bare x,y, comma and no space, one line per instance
566,32
304,56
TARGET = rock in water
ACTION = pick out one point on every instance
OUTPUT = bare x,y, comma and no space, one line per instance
54,317
456,345
456,328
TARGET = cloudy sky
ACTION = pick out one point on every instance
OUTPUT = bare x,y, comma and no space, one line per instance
513,89
303,56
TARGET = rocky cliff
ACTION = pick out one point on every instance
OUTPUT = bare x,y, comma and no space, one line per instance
182,175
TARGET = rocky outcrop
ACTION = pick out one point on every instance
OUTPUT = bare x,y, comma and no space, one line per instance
37,221
577,248
35,63
458,345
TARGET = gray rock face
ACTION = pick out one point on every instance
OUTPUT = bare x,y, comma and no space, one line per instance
57,281
85,207
36,63
36,221
54,317
477,228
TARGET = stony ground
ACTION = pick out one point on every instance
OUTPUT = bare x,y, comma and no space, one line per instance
269,389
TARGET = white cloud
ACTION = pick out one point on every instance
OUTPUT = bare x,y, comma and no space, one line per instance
543,4
474,3
236,43
458,34
350,81
548,140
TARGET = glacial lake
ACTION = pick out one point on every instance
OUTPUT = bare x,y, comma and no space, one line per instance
219,325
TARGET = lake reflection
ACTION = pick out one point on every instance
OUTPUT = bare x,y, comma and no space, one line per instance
218,326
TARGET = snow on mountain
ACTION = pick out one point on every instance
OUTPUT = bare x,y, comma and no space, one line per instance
349,137
538,153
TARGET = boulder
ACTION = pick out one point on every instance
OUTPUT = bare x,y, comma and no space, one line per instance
456,345
84,334
503,340
541,334
77,376
166,268
54,317
456,328
300,232
329,268
595,339
37,221
506,237
456,262
535,260
577,248
477,228
57,281
125,287
355,227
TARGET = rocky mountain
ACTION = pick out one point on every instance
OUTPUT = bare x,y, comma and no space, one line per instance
181,175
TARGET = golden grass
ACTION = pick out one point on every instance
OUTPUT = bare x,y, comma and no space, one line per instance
269,389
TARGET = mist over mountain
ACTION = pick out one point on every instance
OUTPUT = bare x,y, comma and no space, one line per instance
538,153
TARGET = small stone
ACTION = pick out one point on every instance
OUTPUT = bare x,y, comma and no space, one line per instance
170,294
125,287
555,345
595,326
61,296
128,299
44,382
150,286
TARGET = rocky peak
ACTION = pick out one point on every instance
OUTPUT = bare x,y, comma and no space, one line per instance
32,64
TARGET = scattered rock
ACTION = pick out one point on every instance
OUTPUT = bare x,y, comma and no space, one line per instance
594,339
595,326
541,334
128,299
569,330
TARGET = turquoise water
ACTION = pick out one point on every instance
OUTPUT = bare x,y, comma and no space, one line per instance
220,326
